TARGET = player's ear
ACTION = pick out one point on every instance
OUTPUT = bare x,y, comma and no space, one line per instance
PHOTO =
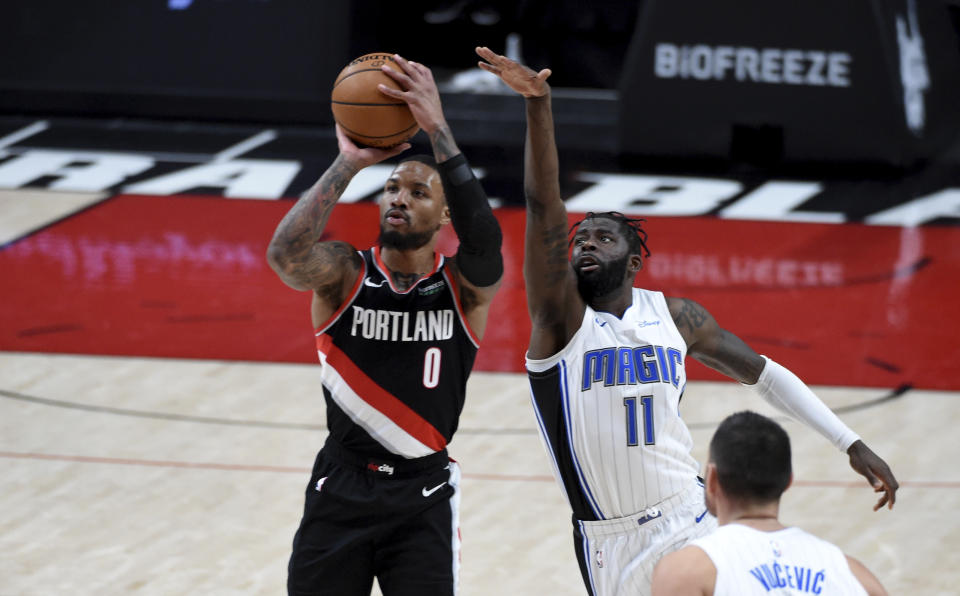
445,216
710,481
635,263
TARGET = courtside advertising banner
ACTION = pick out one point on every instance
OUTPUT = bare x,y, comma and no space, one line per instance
818,81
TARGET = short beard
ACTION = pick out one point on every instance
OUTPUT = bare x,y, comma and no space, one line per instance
399,241
607,278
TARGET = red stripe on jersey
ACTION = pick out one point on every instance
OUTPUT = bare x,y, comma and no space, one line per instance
378,398
353,294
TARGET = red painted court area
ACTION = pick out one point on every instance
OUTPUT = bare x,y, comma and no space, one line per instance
185,277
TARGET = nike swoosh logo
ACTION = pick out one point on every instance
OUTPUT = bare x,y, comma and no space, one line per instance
701,516
367,282
427,493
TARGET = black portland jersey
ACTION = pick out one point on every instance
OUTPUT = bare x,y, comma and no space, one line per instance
395,363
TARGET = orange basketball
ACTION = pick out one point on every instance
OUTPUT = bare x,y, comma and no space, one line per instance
366,115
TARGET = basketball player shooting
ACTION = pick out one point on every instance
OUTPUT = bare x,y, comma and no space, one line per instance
397,329
606,371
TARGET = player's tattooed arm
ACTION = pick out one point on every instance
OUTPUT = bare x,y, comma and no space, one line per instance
556,307
419,90
545,262
555,256
444,147
294,252
712,345
689,317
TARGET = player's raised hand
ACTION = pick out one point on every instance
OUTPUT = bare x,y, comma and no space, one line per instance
876,471
418,90
361,157
525,81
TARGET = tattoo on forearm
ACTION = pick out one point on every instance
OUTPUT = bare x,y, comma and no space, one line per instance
534,206
690,317
304,223
443,144
555,244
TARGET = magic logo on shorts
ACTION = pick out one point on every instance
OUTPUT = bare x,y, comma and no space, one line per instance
632,366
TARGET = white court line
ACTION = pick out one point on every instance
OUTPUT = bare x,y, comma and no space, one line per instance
23,133
227,154
242,147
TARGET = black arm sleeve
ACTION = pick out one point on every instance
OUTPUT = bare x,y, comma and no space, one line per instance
478,257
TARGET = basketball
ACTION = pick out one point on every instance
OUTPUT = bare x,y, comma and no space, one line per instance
367,116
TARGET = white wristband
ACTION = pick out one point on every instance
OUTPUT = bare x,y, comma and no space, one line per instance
786,392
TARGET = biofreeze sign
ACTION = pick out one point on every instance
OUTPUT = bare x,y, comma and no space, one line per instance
746,64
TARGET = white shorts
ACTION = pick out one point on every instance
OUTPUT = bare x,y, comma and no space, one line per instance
617,556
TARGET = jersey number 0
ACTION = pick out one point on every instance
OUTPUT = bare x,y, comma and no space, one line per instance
431,368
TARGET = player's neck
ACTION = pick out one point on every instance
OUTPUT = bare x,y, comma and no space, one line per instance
764,524
760,517
407,266
615,303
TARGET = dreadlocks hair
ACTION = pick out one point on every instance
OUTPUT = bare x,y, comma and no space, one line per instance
630,227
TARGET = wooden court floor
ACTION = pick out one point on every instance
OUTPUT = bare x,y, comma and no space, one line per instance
158,476
161,476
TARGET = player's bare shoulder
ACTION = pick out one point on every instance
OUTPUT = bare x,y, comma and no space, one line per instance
688,571
689,317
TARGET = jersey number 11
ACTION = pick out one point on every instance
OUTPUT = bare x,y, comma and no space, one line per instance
646,403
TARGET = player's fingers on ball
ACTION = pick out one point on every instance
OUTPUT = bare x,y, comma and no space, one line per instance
397,76
403,62
399,149
389,90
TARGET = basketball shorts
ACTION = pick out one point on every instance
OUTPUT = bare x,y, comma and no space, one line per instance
365,518
617,556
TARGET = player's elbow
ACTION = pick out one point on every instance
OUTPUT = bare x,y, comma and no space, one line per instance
281,263
277,258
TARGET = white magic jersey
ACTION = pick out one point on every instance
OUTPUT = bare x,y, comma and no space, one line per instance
607,406
788,561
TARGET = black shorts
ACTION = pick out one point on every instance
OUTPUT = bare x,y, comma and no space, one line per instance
363,517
